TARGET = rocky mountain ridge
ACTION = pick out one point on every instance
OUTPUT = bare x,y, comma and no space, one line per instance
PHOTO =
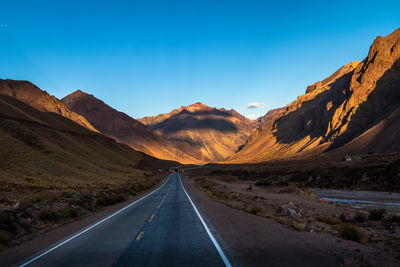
335,111
32,95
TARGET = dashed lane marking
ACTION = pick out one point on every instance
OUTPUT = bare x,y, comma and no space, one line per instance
152,217
140,235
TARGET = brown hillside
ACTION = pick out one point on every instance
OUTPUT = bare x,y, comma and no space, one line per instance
41,100
48,150
337,110
53,166
208,133
123,128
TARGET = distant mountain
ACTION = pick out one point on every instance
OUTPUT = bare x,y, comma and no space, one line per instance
204,132
41,100
123,128
271,115
355,110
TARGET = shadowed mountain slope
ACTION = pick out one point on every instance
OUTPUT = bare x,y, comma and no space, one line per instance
355,103
47,150
209,134
123,128
381,138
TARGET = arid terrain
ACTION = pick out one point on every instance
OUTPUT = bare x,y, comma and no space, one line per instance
64,162
53,171
283,196
257,234
206,133
355,110
123,128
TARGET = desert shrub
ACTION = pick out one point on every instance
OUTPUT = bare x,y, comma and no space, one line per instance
84,201
281,220
100,202
351,232
138,188
377,214
47,215
328,220
111,200
299,226
219,195
36,199
69,212
361,216
256,210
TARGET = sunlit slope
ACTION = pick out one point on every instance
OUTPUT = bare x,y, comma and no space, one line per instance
204,132
41,100
123,128
359,97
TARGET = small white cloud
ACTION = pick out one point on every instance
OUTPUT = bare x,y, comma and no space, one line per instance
251,116
255,105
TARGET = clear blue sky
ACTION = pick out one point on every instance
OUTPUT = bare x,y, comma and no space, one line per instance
148,57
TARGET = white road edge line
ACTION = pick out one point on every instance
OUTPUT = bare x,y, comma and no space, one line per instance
221,253
92,226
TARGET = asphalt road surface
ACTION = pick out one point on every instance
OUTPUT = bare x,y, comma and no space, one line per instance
163,228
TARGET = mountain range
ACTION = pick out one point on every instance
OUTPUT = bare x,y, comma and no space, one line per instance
355,110
123,128
192,134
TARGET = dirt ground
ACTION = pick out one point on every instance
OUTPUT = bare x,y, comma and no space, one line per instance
258,241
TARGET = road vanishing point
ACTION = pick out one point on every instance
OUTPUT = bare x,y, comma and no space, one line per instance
163,228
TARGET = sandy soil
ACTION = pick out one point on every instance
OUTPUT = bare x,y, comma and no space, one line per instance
257,241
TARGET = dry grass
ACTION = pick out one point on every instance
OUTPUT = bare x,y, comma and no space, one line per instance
351,232
328,220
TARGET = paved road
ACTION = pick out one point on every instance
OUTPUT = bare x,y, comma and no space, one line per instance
162,229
